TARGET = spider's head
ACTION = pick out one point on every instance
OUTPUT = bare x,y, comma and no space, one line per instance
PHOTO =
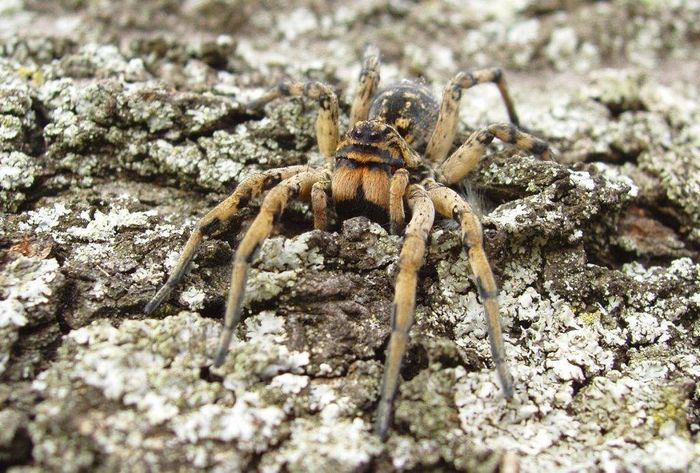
365,160
372,142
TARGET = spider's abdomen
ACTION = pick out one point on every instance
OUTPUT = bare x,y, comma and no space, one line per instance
410,108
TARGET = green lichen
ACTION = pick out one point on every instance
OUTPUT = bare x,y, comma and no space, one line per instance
670,414
589,318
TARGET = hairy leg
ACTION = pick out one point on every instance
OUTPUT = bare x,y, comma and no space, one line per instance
449,204
327,120
297,186
369,80
467,156
246,190
319,203
397,190
446,128
410,261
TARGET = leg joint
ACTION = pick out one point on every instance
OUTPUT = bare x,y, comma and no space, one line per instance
210,227
539,146
485,294
285,87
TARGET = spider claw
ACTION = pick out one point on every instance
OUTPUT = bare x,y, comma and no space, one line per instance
158,299
506,380
220,356
381,425
222,349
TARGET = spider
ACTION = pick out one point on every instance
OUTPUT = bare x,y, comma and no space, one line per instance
395,154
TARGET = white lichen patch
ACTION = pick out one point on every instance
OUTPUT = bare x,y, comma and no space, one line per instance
339,445
265,327
616,180
267,285
44,219
193,298
149,370
17,173
507,217
582,179
620,412
25,284
289,383
281,254
278,265
248,422
177,159
103,227
262,355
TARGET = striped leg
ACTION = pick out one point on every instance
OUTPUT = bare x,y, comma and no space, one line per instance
369,80
410,261
454,168
246,190
297,186
449,204
446,128
327,120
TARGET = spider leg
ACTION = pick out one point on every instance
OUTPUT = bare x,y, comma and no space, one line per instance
449,204
327,120
369,79
410,261
446,127
319,203
467,156
296,186
397,190
246,190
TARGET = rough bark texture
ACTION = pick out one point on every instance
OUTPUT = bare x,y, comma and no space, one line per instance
121,124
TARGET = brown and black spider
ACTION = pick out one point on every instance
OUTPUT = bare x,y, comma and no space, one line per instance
374,170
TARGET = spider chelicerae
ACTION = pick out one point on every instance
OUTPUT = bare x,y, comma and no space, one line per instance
395,154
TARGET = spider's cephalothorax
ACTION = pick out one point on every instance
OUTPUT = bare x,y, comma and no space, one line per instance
394,155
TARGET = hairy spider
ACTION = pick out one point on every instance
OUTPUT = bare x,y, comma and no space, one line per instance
374,170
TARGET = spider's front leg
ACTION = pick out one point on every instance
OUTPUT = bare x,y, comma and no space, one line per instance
327,120
297,186
446,127
410,261
369,79
319,203
212,221
397,191
449,204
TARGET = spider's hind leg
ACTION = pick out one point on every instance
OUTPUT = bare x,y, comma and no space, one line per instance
212,221
369,79
449,204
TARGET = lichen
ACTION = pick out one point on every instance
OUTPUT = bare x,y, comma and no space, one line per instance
17,173
25,284
111,153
